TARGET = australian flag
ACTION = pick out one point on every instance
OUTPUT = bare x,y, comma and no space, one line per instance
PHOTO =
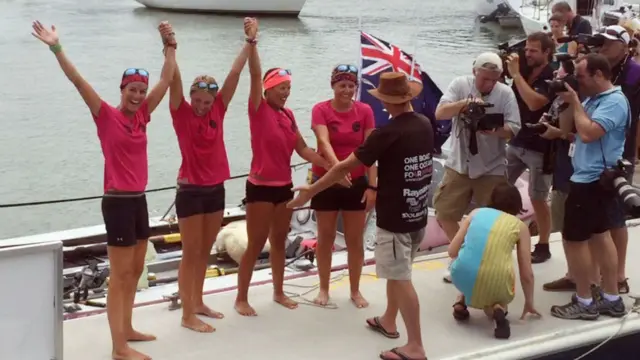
378,56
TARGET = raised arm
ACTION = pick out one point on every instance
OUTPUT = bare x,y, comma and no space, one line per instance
50,37
231,82
255,70
168,69
175,90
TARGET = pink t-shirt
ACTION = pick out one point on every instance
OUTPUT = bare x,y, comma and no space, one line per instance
124,146
201,142
346,130
274,134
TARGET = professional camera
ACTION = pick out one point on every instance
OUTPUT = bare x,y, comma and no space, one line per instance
587,41
505,50
475,117
615,179
539,128
558,85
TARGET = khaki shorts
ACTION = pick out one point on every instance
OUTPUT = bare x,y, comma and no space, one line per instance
394,253
558,198
455,192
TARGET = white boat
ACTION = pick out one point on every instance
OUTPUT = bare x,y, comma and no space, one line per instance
279,333
255,7
534,14
486,7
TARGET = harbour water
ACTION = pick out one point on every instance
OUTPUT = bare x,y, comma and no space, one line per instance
48,143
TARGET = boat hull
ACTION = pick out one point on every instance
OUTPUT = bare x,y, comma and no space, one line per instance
272,7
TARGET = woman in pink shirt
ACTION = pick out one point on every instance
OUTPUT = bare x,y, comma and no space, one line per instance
341,125
274,137
200,199
123,138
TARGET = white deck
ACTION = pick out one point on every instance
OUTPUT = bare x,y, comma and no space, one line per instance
278,333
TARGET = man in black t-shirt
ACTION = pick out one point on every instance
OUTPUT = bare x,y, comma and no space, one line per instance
576,24
527,150
403,152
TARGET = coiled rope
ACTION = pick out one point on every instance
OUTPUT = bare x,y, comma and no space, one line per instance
75,199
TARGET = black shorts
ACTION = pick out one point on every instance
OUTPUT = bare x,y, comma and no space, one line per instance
126,218
583,211
198,200
270,194
338,197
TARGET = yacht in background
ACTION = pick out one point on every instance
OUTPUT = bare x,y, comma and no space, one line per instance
534,14
262,7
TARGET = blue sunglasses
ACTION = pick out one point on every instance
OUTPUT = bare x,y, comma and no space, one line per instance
134,71
204,86
346,69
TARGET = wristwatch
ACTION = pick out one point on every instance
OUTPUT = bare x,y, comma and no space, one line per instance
371,187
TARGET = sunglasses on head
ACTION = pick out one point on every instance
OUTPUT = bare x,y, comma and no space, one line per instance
281,72
346,69
134,71
205,86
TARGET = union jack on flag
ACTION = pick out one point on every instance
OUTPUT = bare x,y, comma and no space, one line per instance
379,56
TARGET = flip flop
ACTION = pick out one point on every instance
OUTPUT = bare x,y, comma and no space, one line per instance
460,314
376,326
400,355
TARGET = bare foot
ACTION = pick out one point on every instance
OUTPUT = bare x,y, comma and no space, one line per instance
243,308
129,354
195,324
322,299
359,301
206,311
285,301
403,352
138,336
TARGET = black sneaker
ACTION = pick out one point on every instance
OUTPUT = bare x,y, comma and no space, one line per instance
575,310
540,253
611,308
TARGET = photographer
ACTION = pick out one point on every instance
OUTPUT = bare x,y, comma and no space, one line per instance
527,150
575,23
477,160
601,122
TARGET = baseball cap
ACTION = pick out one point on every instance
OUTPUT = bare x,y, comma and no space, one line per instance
488,59
615,32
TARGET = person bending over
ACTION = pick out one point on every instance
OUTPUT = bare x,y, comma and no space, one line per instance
482,269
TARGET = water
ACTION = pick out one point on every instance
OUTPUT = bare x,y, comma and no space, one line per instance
48,145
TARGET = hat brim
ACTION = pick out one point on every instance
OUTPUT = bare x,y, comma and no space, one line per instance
414,90
614,38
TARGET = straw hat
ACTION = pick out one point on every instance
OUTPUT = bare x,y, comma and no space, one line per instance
395,88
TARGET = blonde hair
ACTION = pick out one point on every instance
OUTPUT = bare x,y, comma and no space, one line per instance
206,78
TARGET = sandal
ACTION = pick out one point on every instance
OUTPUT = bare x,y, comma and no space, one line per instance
503,330
400,356
623,287
460,314
376,326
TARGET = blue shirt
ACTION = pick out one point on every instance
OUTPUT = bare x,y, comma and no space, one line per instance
610,109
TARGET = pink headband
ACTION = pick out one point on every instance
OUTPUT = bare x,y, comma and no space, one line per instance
133,78
274,79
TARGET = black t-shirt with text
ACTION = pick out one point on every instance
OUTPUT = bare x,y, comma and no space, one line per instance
403,150
527,138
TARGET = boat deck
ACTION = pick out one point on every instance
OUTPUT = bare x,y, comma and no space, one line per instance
279,333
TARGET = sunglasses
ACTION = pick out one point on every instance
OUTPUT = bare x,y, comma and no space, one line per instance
346,69
281,72
204,86
134,71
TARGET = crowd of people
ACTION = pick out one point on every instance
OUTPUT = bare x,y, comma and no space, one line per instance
358,167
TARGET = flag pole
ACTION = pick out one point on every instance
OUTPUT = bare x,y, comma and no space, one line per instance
415,43
359,51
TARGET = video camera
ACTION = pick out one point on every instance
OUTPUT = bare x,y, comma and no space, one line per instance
615,179
587,41
475,117
505,50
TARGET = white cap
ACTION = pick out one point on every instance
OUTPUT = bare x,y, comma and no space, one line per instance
488,60
615,32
